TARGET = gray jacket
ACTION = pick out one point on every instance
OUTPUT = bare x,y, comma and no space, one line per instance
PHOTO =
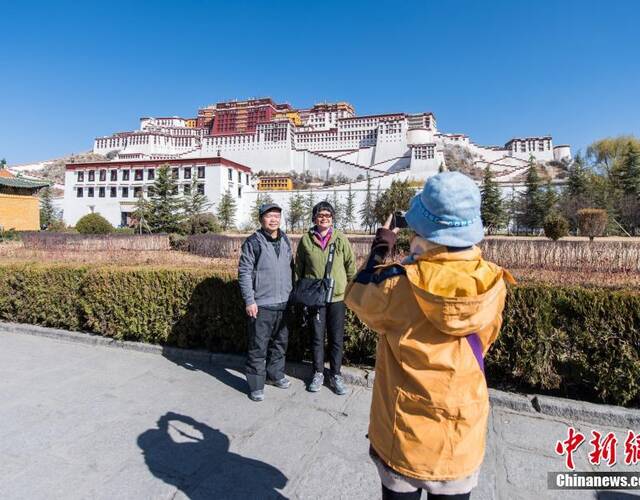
265,278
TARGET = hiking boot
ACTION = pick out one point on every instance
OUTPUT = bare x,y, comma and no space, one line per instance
257,395
283,383
316,382
336,382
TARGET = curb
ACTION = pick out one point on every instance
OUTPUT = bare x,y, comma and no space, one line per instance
533,404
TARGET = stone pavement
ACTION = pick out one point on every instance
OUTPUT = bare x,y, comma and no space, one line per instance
80,421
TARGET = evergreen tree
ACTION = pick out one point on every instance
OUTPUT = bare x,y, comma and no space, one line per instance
309,204
512,211
296,212
532,206
140,216
48,213
349,210
396,198
261,199
165,207
227,211
630,169
491,208
194,202
366,212
338,220
578,180
549,199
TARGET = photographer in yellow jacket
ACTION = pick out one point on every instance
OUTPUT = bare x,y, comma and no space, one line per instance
437,313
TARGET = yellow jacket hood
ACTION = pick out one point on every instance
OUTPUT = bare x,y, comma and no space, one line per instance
457,291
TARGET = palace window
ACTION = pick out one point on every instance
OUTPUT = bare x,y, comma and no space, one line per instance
79,192
80,176
92,175
103,175
125,192
125,175
200,172
101,192
247,179
113,191
186,189
175,172
137,192
230,174
187,172
151,174
138,174
200,188
114,175
239,177
239,192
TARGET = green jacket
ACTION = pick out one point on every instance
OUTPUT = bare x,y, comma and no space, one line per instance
311,261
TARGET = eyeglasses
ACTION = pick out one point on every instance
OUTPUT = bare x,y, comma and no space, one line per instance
324,216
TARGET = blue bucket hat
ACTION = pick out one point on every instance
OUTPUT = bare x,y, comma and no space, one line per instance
447,211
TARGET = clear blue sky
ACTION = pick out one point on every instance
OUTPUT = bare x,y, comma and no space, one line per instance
72,71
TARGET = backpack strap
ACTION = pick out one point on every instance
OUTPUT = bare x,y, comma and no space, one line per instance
256,247
286,240
329,265
476,347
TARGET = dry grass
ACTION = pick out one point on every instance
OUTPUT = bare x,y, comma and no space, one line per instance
572,277
614,263
16,253
600,256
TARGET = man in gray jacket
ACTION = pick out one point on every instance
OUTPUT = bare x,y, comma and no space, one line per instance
265,273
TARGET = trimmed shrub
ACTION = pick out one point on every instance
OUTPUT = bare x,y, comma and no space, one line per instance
555,226
201,224
8,235
592,222
57,226
94,224
42,295
570,341
178,242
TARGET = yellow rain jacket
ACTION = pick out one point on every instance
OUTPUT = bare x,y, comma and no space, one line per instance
430,401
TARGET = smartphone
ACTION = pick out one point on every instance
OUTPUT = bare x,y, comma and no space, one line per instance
398,220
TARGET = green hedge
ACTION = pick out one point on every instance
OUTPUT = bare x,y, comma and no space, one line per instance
570,341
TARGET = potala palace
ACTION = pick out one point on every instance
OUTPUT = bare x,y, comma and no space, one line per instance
228,143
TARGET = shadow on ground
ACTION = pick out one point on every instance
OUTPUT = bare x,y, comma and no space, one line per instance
615,495
195,458
299,370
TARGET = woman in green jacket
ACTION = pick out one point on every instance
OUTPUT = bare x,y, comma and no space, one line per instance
311,259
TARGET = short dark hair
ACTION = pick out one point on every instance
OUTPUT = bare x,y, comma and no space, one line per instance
323,205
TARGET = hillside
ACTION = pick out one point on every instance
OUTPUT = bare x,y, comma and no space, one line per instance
53,170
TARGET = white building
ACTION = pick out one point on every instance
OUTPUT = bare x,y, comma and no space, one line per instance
260,135
112,188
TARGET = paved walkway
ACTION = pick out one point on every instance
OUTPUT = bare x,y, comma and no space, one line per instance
79,421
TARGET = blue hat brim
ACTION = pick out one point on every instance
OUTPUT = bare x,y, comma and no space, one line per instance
464,236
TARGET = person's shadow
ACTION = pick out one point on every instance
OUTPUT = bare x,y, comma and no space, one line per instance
196,459
615,495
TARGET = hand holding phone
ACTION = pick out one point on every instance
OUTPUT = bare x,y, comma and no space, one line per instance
398,220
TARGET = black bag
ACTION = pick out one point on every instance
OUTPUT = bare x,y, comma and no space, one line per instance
313,292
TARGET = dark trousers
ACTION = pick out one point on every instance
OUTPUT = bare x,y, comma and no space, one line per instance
330,319
387,494
267,345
